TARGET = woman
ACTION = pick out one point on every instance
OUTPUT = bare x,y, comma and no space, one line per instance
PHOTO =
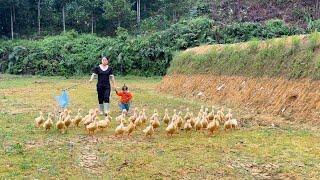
104,73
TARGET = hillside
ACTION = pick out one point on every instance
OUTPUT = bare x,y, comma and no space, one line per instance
278,76
290,57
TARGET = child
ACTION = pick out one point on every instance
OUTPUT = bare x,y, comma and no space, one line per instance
125,99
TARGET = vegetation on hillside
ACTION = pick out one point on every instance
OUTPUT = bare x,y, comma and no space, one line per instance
291,57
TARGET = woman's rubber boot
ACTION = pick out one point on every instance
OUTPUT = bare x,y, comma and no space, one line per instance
106,107
101,109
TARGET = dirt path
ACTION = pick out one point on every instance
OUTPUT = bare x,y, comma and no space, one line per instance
88,154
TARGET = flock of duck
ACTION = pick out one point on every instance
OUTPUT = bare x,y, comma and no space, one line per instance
205,120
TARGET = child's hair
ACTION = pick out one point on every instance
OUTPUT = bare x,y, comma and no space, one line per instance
124,88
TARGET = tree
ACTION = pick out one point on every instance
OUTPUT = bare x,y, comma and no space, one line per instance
11,18
317,9
138,11
175,8
63,18
39,18
93,6
61,5
12,4
118,10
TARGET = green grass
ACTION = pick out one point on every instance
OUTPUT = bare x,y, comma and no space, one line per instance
289,57
251,152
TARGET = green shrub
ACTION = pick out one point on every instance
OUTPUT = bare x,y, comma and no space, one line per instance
313,26
146,55
276,28
314,40
295,43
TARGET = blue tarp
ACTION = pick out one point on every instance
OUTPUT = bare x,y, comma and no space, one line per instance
63,100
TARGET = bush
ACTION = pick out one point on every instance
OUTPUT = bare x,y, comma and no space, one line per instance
146,55
276,28
314,26
238,32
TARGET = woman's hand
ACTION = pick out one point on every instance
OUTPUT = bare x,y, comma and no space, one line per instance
114,87
92,77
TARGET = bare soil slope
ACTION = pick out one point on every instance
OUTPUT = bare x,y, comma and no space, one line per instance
294,99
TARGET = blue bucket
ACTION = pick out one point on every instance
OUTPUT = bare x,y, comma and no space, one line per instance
63,100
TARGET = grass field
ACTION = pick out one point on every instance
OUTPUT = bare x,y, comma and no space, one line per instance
284,151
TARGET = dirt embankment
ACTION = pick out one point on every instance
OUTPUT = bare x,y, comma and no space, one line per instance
296,99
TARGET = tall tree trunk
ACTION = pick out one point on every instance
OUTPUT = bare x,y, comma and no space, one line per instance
92,22
236,9
119,22
138,11
14,14
11,18
317,9
63,20
174,15
39,25
213,9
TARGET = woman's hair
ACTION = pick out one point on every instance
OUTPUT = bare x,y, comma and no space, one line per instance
124,88
105,57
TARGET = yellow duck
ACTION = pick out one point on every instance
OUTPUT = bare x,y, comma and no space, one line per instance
230,124
174,116
48,123
77,119
234,123
204,121
228,115
187,116
92,127
95,113
221,115
120,129
60,124
130,128
108,116
187,126
192,121
103,124
138,122
227,125
211,115
134,116
87,120
166,117
213,126
148,131
39,120
155,122
201,109
198,124
155,114
171,129
144,117
206,110
121,118
179,120
67,118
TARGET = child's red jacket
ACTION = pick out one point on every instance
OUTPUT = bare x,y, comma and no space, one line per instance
125,96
